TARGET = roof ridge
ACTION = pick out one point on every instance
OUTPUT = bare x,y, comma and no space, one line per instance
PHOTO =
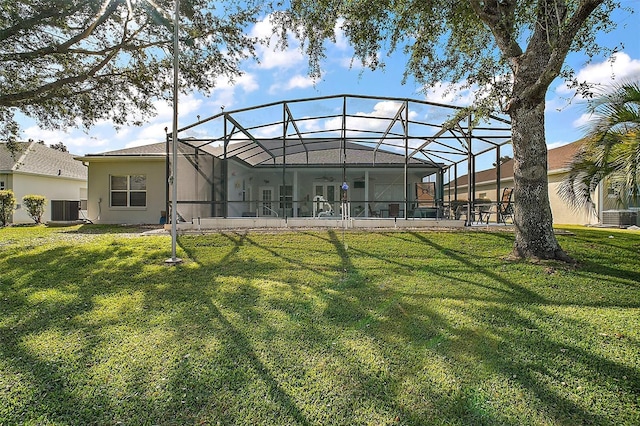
17,163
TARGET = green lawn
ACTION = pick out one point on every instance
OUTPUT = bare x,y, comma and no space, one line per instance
316,328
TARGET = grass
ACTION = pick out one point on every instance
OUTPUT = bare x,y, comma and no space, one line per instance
396,328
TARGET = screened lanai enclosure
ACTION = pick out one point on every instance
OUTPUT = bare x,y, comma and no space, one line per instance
337,157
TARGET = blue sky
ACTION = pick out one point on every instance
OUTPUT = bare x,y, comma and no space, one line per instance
282,75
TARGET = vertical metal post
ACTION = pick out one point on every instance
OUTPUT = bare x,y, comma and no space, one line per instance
283,193
498,178
174,174
471,185
406,160
455,179
167,176
343,141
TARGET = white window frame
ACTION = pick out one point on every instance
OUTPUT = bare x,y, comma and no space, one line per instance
128,191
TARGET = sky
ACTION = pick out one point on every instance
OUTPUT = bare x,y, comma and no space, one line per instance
282,75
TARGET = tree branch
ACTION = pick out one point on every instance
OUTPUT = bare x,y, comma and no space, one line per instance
14,99
558,37
33,21
108,8
499,16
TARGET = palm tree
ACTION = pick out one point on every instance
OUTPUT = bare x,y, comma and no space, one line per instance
611,150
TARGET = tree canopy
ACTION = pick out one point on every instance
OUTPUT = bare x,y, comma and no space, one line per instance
479,44
75,62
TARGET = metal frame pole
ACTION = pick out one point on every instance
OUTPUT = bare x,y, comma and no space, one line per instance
174,141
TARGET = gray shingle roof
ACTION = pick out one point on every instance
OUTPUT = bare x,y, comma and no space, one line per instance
39,159
320,152
154,149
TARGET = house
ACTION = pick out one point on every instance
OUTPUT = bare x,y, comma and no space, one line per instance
129,185
34,168
329,158
557,159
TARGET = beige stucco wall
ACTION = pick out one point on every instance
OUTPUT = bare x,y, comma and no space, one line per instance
562,213
100,170
51,187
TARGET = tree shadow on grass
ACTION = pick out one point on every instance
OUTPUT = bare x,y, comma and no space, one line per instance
204,345
55,388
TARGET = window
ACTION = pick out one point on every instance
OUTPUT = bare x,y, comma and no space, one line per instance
613,191
286,196
128,191
1,185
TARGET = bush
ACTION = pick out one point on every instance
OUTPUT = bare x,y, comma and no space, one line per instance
7,205
34,204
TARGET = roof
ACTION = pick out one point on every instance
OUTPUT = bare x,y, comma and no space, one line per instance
557,160
154,149
249,152
37,158
319,152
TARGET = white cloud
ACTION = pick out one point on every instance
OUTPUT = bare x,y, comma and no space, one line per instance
186,105
620,67
75,140
341,40
298,81
363,120
582,121
272,131
271,56
225,92
450,93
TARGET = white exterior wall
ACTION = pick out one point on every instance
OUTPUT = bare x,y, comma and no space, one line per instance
51,187
99,210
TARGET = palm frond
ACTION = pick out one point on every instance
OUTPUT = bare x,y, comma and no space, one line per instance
611,150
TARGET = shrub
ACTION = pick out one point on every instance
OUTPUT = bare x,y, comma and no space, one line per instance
7,205
34,204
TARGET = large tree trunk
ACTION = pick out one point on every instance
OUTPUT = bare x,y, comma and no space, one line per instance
534,236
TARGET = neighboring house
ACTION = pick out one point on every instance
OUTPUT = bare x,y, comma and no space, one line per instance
34,168
557,160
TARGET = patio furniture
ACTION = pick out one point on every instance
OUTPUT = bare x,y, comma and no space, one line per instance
426,213
479,212
321,208
503,209
372,213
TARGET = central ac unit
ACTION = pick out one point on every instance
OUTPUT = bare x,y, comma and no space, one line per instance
621,218
64,210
